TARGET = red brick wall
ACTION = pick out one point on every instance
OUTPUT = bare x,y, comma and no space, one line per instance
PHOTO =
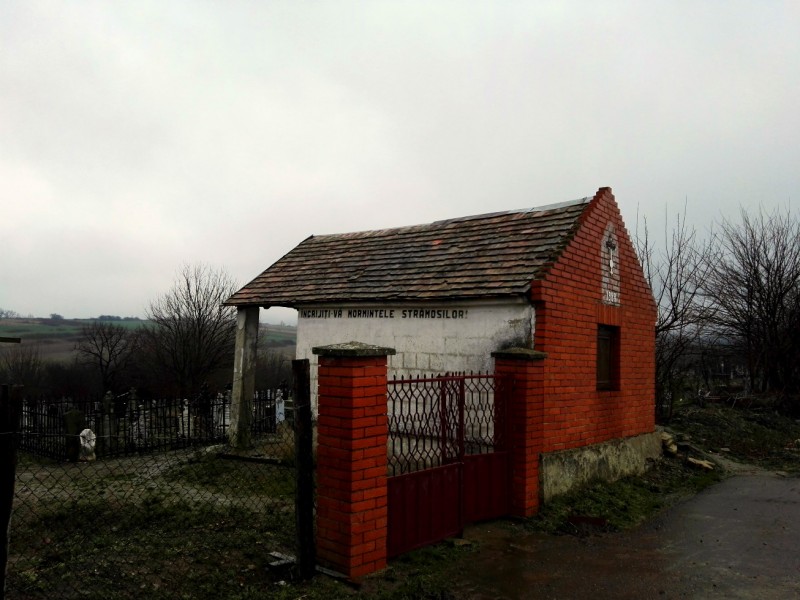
525,416
351,465
568,310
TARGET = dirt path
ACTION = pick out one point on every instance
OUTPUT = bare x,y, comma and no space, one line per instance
737,539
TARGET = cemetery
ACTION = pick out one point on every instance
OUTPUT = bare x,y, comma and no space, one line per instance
125,424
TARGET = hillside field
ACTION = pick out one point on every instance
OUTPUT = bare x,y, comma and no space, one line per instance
56,338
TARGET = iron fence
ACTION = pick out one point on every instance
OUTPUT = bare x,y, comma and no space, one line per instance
125,424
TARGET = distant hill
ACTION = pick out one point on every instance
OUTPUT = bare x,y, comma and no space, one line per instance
56,338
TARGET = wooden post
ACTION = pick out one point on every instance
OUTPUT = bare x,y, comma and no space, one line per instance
304,469
244,376
9,425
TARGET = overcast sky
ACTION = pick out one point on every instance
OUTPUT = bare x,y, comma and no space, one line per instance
137,136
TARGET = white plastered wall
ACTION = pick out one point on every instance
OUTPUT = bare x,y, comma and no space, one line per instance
437,338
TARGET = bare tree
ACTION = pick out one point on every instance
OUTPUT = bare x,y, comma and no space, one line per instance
22,364
192,333
676,273
754,284
108,348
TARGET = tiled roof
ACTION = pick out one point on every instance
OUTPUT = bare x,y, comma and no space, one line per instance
483,256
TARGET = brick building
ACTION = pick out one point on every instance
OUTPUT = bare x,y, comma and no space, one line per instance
559,287
561,279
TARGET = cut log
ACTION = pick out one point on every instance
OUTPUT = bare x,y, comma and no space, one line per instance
701,464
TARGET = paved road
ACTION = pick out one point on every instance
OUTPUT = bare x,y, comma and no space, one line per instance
738,539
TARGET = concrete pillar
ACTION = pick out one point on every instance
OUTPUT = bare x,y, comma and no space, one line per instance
525,370
352,429
244,376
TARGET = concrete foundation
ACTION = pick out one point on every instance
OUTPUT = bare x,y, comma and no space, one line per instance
565,471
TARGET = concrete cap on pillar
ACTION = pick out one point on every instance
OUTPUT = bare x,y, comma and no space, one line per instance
519,354
352,349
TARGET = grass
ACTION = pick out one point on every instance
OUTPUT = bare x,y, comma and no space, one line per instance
124,554
758,436
277,335
234,477
128,537
418,574
168,526
57,338
623,504
46,329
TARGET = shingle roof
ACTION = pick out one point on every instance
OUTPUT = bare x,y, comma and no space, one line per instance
482,256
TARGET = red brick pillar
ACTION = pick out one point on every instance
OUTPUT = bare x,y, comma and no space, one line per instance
351,458
525,369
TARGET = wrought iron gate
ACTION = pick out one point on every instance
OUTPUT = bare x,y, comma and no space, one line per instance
448,462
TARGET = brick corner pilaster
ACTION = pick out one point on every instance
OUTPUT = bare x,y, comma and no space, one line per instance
525,370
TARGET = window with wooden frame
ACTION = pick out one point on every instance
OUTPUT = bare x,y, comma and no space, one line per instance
607,357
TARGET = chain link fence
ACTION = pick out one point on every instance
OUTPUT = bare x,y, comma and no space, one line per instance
193,521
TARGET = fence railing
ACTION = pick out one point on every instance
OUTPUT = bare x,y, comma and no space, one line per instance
125,425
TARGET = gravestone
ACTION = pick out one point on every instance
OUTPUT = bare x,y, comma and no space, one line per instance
87,440
74,423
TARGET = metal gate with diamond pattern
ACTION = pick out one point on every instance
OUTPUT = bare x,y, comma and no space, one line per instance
448,462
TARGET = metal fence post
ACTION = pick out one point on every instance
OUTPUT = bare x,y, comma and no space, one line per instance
304,466
9,424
